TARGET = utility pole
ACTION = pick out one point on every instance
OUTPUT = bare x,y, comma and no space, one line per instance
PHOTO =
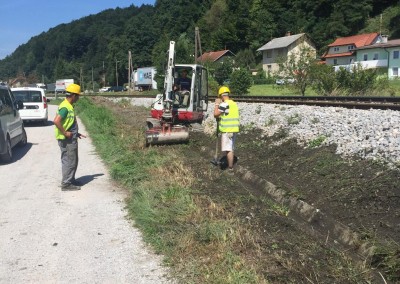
81,78
116,70
92,81
197,44
103,76
129,71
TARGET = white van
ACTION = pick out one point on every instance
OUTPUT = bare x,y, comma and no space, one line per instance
12,131
35,103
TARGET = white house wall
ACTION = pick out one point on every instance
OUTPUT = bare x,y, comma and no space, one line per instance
269,63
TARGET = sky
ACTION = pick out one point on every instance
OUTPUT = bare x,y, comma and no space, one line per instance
22,19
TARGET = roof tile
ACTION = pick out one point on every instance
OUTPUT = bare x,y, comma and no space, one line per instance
357,40
213,55
280,42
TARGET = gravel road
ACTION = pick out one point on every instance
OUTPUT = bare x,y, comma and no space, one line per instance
51,236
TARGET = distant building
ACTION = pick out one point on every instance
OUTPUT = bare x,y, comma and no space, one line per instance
384,56
283,47
343,50
215,56
370,51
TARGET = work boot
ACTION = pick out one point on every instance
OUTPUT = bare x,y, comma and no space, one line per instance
70,187
230,172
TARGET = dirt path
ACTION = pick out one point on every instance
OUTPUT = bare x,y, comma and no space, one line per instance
67,237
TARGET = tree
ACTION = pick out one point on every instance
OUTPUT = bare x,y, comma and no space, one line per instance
245,58
222,71
240,82
323,79
298,66
262,24
357,81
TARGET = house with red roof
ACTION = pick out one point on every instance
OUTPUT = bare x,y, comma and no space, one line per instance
371,51
343,50
215,56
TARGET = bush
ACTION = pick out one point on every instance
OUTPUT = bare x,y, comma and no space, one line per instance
213,86
258,81
322,79
240,82
222,71
357,81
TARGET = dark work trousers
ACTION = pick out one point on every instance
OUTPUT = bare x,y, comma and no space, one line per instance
69,160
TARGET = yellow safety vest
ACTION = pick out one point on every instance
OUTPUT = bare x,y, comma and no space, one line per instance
230,122
68,121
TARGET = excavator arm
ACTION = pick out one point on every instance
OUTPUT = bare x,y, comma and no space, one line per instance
175,111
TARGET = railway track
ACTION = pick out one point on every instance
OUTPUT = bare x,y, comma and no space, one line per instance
390,103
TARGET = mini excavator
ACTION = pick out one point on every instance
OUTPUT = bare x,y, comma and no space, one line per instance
176,111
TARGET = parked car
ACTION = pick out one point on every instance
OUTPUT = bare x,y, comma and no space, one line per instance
12,131
104,89
118,89
283,81
35,104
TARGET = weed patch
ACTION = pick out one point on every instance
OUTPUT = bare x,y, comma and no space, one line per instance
216,228
198,237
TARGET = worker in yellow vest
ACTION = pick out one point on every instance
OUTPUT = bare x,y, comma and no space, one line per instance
228,112
66,130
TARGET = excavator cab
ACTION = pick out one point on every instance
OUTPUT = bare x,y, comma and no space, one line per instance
190,93
183,103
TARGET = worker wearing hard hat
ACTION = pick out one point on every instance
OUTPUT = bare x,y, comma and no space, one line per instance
66,130
228,112
183,83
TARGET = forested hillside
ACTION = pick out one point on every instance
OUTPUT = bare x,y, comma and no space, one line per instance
101,42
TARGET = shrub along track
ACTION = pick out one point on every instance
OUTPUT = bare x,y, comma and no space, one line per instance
239,233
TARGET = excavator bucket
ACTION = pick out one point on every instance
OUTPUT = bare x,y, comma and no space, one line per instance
177,134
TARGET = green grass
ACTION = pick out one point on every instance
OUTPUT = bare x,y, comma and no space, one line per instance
197,242
395,85
276,90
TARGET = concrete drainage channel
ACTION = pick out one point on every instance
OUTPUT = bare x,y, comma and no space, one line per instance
324,224
317,223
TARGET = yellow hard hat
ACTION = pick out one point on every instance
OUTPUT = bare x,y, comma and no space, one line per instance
73,89
223,90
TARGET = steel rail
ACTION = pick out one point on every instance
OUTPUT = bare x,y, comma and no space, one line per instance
390,103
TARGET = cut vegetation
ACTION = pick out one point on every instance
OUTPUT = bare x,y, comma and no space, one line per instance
214,228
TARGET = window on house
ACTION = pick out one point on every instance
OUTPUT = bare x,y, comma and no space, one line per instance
395,71
269,68
376,56
350,47
269,53
365,57
396,54
334,61
336,49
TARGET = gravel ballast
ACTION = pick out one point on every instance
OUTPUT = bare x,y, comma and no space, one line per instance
369,134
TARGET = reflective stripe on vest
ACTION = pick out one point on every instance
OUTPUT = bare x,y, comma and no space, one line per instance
230,122
68,121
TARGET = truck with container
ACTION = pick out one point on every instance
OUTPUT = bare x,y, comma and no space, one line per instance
144,79
62,84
